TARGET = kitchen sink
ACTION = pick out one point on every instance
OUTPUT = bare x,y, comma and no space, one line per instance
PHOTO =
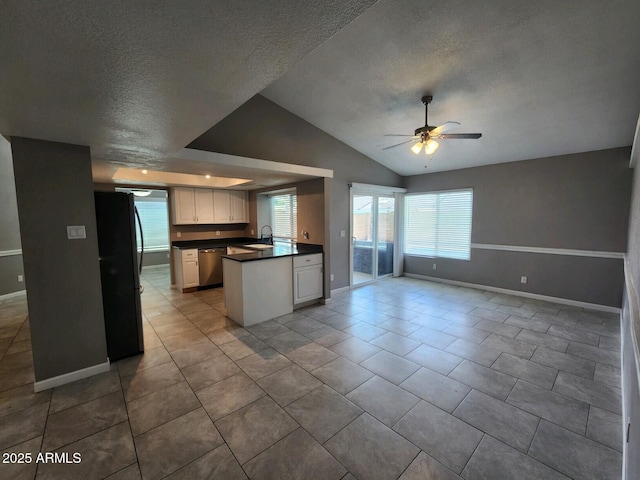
259,246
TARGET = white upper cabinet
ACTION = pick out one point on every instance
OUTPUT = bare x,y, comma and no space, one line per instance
192,205
205,206
221,207
238,202
230,206
183,203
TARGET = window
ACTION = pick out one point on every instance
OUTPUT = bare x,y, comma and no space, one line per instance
439,224
154,217
284,216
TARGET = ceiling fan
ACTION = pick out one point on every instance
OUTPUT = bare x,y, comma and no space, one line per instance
426,136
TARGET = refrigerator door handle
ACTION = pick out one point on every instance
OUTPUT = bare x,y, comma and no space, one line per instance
135,209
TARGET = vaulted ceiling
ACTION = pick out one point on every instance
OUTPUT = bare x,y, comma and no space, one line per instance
137,81
537,79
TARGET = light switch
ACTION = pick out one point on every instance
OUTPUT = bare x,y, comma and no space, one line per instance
76,232
342,233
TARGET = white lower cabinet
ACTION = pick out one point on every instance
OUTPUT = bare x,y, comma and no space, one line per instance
185,264
307,278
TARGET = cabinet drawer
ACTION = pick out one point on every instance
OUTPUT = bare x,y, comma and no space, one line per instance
189,254
307,260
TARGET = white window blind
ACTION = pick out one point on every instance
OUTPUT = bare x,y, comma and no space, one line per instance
439,224
284,216
155,223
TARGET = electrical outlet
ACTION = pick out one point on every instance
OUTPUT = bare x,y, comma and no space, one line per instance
252,232
523,279
434,266
218,232
342,233
20,278
178,234
332,277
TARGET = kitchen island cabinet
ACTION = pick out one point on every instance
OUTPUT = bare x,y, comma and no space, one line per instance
268,282
257,291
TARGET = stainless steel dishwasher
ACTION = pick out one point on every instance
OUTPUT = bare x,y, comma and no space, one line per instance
210,265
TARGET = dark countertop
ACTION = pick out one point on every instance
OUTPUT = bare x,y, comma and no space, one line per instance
213,242
278,250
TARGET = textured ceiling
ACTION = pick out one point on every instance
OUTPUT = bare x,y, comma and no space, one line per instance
537,79
137,81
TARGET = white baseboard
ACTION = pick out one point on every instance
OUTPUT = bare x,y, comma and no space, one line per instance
7,296
70,377
340,290
517,293
147,267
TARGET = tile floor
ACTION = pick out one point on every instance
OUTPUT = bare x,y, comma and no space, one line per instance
402,379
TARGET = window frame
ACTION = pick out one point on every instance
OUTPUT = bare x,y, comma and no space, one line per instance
293,211
438,245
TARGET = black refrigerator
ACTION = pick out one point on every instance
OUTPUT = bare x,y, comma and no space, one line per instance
119,273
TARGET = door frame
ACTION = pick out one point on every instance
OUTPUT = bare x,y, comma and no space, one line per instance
375,191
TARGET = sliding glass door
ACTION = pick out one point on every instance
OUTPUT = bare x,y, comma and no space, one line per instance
372,236
384,239
362,239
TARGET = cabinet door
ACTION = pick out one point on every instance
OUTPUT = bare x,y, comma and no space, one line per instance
204,205
238,200
221,206
307,283
190,273
184,208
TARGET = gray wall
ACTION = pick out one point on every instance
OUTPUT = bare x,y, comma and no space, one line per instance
54,189
152,259
262,129
10,265
633,250
631,328
578,201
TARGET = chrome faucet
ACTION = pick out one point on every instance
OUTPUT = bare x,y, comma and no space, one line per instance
270,237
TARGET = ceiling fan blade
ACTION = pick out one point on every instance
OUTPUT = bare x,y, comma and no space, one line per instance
443,128
397,135
398,144
449,136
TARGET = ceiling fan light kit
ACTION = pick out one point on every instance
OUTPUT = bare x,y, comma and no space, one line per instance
431,147
425,136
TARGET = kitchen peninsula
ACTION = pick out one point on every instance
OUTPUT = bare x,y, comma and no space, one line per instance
267,283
